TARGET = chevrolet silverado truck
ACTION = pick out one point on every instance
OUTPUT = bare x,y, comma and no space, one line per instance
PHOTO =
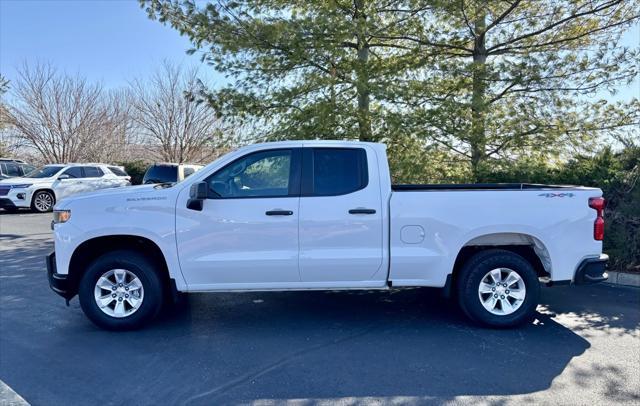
322,215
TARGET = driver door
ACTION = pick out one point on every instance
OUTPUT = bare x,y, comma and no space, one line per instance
69,182
246,235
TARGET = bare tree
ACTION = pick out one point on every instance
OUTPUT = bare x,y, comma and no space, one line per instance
175,125
64,117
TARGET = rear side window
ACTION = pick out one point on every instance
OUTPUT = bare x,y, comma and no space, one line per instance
74,172
92,172
335,171
117,171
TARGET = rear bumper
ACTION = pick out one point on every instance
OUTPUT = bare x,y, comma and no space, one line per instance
592,270
58,283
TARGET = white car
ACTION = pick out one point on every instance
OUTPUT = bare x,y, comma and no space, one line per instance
43,187
310,215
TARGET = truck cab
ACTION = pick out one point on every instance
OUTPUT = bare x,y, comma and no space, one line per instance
304,215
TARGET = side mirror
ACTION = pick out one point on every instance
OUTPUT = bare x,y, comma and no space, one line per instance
64,176
199,191
197,194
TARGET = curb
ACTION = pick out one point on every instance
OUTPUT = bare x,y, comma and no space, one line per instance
624,279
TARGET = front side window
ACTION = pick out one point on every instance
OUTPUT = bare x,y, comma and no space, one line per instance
92,172
74,172
261,174
338,171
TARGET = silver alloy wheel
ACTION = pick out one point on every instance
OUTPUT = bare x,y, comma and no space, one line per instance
118,293
43,201
502,291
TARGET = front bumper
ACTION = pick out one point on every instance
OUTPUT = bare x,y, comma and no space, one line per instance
6,203
58,283
11,200
592,270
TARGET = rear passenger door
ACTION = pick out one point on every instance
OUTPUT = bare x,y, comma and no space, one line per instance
95,179
341,217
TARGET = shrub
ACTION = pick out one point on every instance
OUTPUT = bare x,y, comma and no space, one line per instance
135,169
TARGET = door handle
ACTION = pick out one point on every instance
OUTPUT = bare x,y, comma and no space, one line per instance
361,210
278,212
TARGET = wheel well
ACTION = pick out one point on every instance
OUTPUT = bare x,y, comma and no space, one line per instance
526,251
91,249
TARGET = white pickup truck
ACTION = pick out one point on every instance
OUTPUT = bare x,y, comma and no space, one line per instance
308,215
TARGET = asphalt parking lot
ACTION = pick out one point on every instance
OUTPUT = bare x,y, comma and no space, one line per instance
399,347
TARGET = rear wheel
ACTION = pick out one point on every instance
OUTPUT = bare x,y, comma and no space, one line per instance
42,201
498,288
121,290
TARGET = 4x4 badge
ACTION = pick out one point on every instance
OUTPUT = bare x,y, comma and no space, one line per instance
556,194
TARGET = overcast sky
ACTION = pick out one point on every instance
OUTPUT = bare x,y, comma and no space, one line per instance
112,41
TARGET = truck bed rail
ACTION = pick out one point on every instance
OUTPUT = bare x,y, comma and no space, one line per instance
477,186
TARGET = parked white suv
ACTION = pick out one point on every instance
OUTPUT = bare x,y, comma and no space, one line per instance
43,187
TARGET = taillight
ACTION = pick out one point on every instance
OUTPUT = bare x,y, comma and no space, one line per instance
598,204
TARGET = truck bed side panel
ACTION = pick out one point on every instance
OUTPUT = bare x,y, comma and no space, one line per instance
429,228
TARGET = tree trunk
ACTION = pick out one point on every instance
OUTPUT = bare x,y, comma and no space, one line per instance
478,140
362,74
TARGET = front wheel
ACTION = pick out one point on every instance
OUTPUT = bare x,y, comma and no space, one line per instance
498,288
121,290
42,201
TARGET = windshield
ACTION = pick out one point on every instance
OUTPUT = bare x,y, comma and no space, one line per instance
44,172
161,174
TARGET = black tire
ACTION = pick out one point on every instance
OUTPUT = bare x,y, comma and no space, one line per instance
39,208
472,274
141,267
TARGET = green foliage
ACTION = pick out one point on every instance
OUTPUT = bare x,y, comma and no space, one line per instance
135,169
474,79
4,85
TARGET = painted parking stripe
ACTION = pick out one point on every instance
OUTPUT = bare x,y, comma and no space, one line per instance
9,397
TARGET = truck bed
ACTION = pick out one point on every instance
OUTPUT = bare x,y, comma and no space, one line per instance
477,186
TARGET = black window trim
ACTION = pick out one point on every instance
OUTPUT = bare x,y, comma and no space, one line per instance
294,174
307,171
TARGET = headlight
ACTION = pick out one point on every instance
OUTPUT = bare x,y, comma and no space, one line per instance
61,216
22,186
